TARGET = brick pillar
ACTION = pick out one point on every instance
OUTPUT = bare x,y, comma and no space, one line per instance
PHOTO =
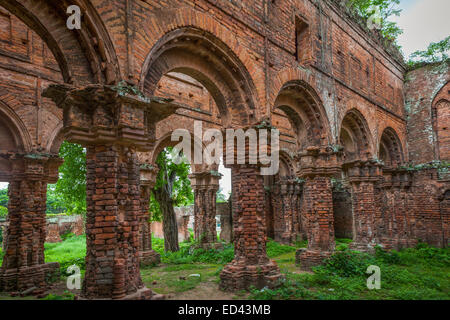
114,125
205,185
363,176
251,266
397,210
147,255
24,264
300,233
317,168
285,220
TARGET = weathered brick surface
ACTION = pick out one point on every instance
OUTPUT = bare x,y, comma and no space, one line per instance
307,66
250,266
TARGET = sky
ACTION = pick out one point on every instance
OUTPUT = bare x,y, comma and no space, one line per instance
422,21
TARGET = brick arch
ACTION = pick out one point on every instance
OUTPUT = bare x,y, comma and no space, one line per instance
355,136
287,165
305,111
56,139
440,114
165,141
390,149
204,57
18,130
84,56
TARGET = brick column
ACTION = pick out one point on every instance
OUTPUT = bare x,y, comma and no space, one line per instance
397,210
251,266
113,125
24,264
362,176
317,168
285,222
147,255
205,185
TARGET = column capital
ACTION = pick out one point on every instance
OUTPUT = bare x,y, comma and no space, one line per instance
105,114
363,171
318,161
205,179
32,166
397,178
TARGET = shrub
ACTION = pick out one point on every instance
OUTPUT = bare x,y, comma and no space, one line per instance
349,263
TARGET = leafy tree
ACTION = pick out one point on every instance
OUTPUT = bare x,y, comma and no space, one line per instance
54,202
436,52
172,188
4,197
71,186
386,10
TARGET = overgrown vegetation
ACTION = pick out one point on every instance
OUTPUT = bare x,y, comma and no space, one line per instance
419,273
69,252
435,53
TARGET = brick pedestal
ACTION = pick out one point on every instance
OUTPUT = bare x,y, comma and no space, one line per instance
317,168
251,266
205,185
24,264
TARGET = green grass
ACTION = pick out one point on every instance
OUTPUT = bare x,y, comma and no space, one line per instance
69,252
421,273
418,273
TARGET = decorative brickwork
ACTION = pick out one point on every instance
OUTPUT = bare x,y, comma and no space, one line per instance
362,176
205,185
317,165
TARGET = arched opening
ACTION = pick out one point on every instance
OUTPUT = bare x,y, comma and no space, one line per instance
390,150
355,136
204,58
80,59
300,106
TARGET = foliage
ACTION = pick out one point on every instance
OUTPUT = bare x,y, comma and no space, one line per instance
220,197
4,197
436,52
174,177
71,186
189,253
419,273
387,8
3,212
54,202
65,296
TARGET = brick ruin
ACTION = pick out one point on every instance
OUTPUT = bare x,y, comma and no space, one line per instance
364,142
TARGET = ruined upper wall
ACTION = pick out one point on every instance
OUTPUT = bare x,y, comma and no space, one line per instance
426,90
